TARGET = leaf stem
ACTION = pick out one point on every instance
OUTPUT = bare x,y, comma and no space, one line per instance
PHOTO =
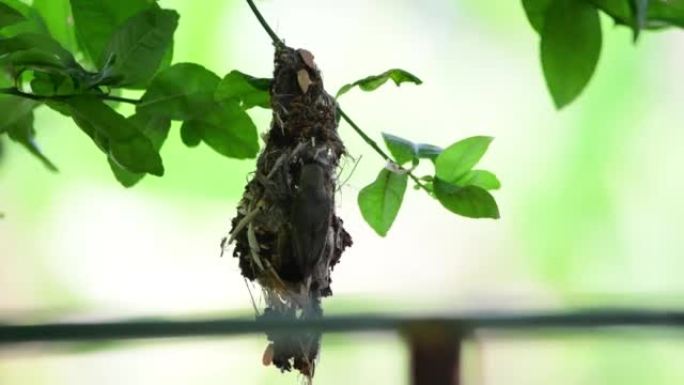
16,92
374,145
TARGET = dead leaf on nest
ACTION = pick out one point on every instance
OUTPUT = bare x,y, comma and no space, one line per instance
304,80
267,358
307,57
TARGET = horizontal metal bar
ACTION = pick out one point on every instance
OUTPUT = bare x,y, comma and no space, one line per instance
462,325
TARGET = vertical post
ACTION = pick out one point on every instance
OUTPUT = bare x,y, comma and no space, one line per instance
435,355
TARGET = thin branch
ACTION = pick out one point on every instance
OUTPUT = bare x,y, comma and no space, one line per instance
42,98
374,146
276,40
363,135
578,321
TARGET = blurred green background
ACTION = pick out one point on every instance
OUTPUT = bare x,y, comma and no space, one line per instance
590,213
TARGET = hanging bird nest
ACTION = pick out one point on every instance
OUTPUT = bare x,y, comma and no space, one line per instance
286,233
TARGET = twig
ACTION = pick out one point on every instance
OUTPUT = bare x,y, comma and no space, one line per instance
251,296
254,245
374,146
276,40
344,182
243,222
16,92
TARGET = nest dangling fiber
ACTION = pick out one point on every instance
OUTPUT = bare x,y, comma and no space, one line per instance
287,236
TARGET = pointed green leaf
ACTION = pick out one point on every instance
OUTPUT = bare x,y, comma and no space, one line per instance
138,46
100,140
633,13
640,8
59,21
96,21
9,15
38,43
428,151
14,109
381,200
34,59
460,157
480,178
181,92
127,145
468,201
402,150
21,131
228,130
570,48
247,90
535,10
156,130
371,83
665,12
621,11
644,14
31,20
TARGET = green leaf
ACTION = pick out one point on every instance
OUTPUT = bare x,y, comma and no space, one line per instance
49,84
637,14
640,10
191,133
96,20
167,59
32,21
139,45
100,140
43,85
126,144
658,14
620,10
665,12
536,12
58,20
380,201
480,178
21,131
35,42
570,48
156,130
13,110
460,157
33,59
228,130
428,151
181,92
247,90
468,201
9,15
402,150
371,83
427,183
626,12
